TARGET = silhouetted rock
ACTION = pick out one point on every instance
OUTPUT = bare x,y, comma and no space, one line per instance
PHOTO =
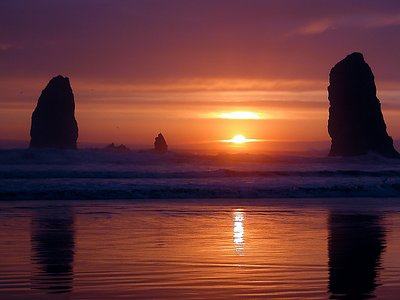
53,120
160,144
356,123
120,148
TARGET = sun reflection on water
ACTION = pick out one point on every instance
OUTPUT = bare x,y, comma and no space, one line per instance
238,231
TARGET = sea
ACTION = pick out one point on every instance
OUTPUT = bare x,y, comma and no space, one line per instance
92,224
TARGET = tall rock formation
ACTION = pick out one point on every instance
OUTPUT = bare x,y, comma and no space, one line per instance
53,120
160,144
356,123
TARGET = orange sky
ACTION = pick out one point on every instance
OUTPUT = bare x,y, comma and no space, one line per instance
191,116
147,67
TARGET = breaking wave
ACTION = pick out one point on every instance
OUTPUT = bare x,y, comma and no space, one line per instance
96,174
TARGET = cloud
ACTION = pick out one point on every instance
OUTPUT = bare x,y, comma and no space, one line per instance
373,21
349,21
314,27
8,46
197,45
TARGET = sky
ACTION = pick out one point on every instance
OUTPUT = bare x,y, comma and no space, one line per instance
183,67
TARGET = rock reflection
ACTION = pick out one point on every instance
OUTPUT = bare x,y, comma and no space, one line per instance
238,231
355,246
52,244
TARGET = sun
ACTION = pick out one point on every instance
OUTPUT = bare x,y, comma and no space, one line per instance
239,139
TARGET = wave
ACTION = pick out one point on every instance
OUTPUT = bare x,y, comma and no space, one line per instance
95,174
208,192
221,173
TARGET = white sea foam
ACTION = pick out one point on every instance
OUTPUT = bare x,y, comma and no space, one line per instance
96,174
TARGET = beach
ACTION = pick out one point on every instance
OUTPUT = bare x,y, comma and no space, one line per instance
91,224
200,249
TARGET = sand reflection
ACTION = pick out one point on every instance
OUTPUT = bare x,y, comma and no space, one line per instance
355,246
238,231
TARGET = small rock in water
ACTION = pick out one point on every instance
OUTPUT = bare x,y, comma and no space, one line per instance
120,148
160,144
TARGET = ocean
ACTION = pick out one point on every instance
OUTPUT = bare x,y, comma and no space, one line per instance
91,224
96,174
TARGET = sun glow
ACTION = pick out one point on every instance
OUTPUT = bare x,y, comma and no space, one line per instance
241,115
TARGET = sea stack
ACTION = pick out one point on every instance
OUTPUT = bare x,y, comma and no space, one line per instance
356,125
53,120
160,144
113,148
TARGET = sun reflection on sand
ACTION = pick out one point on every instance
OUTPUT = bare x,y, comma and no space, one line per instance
238,231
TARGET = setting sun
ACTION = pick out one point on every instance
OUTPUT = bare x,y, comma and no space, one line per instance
239,139
188,150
